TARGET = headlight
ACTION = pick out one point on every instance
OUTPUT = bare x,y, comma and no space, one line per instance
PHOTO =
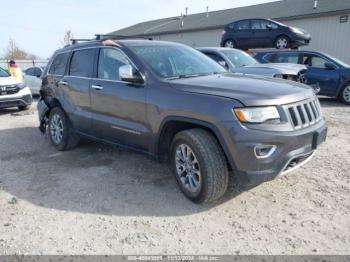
297,31
21,85
278,76
256,114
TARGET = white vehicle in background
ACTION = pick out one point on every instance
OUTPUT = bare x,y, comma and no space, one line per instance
32,78
13,93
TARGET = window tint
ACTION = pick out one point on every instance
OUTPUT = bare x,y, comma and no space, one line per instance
109,62
243,25
82,63
286,58
269,57
30,71
231,26
314,61
58,66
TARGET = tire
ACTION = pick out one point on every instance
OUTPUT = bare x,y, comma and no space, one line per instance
229,43
23,108
345,94
282,42
211,163
60,132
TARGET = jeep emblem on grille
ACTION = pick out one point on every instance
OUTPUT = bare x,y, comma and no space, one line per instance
3,88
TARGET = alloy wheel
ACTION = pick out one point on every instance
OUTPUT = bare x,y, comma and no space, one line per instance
281,43
229,44
56,129
187,168
346,94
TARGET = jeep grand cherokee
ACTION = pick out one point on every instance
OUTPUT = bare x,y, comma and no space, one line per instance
169,100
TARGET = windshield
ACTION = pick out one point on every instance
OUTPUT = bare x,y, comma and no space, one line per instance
342,63
3,73
176,61
240,58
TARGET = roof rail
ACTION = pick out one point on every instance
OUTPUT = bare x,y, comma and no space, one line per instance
77,40
120,37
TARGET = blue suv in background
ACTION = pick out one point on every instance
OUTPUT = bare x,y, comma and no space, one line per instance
329,73
262,33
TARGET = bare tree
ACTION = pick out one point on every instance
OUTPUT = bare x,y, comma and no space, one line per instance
67,37
13,51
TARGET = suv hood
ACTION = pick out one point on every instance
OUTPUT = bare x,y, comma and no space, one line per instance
249,90
271,69
9,80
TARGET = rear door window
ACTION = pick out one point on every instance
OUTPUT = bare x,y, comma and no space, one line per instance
58,66
82,63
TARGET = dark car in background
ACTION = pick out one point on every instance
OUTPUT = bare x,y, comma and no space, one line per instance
263,33
238,61
329,73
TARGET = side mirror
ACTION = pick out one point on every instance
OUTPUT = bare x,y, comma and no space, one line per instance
329,66
128,74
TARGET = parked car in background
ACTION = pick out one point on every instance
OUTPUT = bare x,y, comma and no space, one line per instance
238,61
263,33
32,78
13,93
329,73
170,101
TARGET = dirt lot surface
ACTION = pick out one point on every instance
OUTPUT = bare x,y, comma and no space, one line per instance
102,200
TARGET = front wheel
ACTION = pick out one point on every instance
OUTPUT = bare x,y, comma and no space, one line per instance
199,165
282,42
60,132
345,94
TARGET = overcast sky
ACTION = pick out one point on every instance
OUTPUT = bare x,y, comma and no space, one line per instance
38,26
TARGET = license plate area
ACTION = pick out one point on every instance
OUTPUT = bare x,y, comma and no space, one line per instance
318,138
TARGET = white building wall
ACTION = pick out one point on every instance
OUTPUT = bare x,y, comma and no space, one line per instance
328,35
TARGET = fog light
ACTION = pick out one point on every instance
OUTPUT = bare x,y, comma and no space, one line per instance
264,151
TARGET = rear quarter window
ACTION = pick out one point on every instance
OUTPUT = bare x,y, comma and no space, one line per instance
58,65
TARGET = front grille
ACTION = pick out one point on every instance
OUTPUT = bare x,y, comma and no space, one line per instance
305,113
8,90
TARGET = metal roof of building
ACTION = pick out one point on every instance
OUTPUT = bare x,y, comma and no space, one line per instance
279,10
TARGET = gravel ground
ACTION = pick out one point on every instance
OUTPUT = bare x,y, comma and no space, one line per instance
102,200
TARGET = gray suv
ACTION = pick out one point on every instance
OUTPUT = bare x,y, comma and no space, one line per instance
172,102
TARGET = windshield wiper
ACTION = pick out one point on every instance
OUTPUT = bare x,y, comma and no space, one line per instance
191,75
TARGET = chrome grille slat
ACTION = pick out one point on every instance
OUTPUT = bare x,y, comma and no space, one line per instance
304,113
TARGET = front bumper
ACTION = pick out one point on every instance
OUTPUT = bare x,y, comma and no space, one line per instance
293,149
300,40
22,98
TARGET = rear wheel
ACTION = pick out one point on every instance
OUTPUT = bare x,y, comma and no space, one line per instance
345,94
229,43
199,165
282,42
60,132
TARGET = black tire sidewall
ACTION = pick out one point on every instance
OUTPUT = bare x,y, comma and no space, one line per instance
200,196
62,145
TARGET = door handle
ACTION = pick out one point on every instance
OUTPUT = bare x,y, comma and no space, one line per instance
64,83
97,87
